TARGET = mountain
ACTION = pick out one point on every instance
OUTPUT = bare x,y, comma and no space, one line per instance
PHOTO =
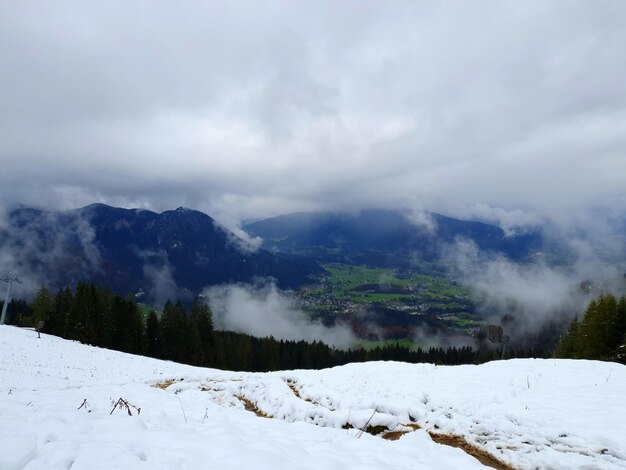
384,237
131,249
179,252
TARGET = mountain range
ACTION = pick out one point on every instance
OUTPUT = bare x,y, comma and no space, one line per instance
387,238
179,252
129,250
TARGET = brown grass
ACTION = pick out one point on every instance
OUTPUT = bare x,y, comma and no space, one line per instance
481,455
451,440
294,389
296,392
163,385
249,406
395,435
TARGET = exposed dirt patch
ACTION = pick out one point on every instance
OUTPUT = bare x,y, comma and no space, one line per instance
482,456
376,430
452,440
293,388
296,392
395,435
249,406
163,385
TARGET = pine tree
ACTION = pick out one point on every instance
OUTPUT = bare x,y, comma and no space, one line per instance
57,322
596,328
600,334
176,332
153,338
42,306
567,347
201,334
77,317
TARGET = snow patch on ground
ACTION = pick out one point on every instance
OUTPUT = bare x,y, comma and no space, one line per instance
57,398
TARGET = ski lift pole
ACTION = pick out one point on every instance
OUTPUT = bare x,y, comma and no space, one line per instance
9,279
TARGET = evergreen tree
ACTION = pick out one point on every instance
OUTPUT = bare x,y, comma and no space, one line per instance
567,346
596,329
42,306
78,314
57,322
97,300
600,334
176,335
153,338
127,325
219,360
18,313
201,334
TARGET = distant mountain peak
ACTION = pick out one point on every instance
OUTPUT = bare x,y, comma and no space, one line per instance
181,250
381,237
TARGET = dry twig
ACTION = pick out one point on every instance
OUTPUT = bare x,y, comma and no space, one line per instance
360,433
121,404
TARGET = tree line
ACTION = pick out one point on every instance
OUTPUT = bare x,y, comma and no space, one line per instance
94,315
600,334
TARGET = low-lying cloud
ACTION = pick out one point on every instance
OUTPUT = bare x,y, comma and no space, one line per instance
530,295
422,220
262,310
47,245
158,273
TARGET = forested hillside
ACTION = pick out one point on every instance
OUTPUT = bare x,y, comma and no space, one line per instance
387,238
177,252
95,315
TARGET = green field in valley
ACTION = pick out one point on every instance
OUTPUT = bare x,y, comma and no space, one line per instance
415,298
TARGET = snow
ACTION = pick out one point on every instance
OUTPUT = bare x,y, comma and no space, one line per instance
558,414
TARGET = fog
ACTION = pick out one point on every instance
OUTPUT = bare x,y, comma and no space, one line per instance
62,244
530,295
262,310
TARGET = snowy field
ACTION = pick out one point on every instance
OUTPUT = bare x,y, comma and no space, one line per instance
527,413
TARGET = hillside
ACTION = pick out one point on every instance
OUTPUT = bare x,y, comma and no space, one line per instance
58,397
385,238
130,249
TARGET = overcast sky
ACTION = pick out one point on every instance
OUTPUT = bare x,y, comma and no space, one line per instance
251,109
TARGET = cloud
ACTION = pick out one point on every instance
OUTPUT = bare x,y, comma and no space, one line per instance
427,338
536,286
423,220
259,108
237,235
162,286
47,245
532,295
511,221
262,310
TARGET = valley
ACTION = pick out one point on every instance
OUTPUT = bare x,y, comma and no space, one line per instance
374,271
382,304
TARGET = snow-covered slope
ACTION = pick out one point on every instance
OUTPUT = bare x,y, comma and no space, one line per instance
527,413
